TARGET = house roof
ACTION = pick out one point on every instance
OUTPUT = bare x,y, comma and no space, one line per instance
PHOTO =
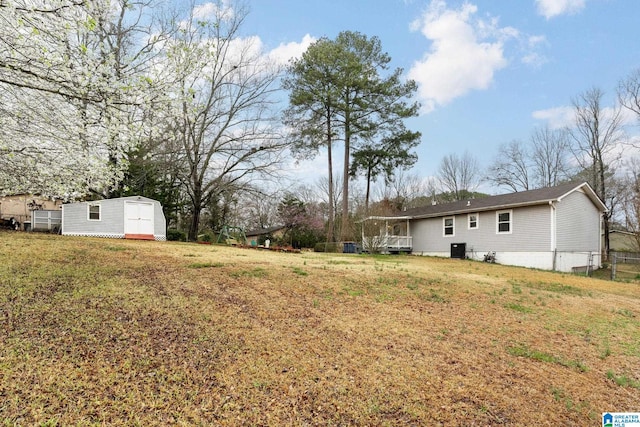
504,201
263,231
115,199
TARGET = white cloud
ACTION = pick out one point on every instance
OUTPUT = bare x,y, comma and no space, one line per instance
464,56
565,116
287,51
536,40
210,10
553,8
629,118
557,117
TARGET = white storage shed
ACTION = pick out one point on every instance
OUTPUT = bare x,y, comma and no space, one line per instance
133,217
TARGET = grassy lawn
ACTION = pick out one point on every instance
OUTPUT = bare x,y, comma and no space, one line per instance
112,332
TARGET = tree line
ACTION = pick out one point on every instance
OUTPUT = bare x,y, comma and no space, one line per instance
110,98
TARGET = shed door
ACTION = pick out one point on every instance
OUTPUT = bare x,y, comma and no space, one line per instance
138,220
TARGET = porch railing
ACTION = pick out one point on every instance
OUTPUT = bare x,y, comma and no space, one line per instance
399,242
388,243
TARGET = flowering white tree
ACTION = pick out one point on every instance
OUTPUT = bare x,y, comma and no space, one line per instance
73,82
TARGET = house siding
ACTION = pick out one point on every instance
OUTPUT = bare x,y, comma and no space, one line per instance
76,219
530,229
159,222
576,216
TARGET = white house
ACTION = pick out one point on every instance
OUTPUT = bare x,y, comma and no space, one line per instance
555,228
133,217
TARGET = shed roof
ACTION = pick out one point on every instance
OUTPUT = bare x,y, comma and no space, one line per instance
503,201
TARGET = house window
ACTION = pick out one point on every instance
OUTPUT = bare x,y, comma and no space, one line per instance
473,221
94,212
448,226
503,222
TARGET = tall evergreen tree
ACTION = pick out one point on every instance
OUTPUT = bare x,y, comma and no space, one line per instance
384,158
337,93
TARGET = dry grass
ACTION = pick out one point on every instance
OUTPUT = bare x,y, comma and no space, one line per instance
107,332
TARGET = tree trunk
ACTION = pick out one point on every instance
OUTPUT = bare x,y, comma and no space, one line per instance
194,225
344,226
332,208
196,210
366,197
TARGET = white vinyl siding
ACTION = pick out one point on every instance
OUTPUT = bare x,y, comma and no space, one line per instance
576,212
531,233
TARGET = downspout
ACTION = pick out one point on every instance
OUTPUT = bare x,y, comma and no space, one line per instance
410,239
600,239
553,236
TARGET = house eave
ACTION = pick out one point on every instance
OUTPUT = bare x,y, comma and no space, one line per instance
483,209
386,218
591,194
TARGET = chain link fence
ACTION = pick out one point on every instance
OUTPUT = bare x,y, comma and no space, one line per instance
625,265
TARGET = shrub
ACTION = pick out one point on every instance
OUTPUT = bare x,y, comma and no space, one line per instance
176,235
327,247
206,237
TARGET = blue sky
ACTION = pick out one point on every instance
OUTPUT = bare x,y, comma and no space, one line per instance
489,71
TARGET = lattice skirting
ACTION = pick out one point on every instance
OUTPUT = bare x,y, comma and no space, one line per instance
160,238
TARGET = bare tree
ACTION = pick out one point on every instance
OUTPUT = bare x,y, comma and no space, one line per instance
511,167
543,162
630,200
629,92
259,209
550,153
596,134
225,122
459,175
405,190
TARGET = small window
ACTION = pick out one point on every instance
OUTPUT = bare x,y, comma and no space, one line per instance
473,221
94,212
448,226
503,221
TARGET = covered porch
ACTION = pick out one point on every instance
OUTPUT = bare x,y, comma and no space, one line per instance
386,234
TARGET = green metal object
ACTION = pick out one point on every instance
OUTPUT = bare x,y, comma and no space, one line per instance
232,235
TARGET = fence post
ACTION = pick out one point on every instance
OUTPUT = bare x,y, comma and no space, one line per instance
613,266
